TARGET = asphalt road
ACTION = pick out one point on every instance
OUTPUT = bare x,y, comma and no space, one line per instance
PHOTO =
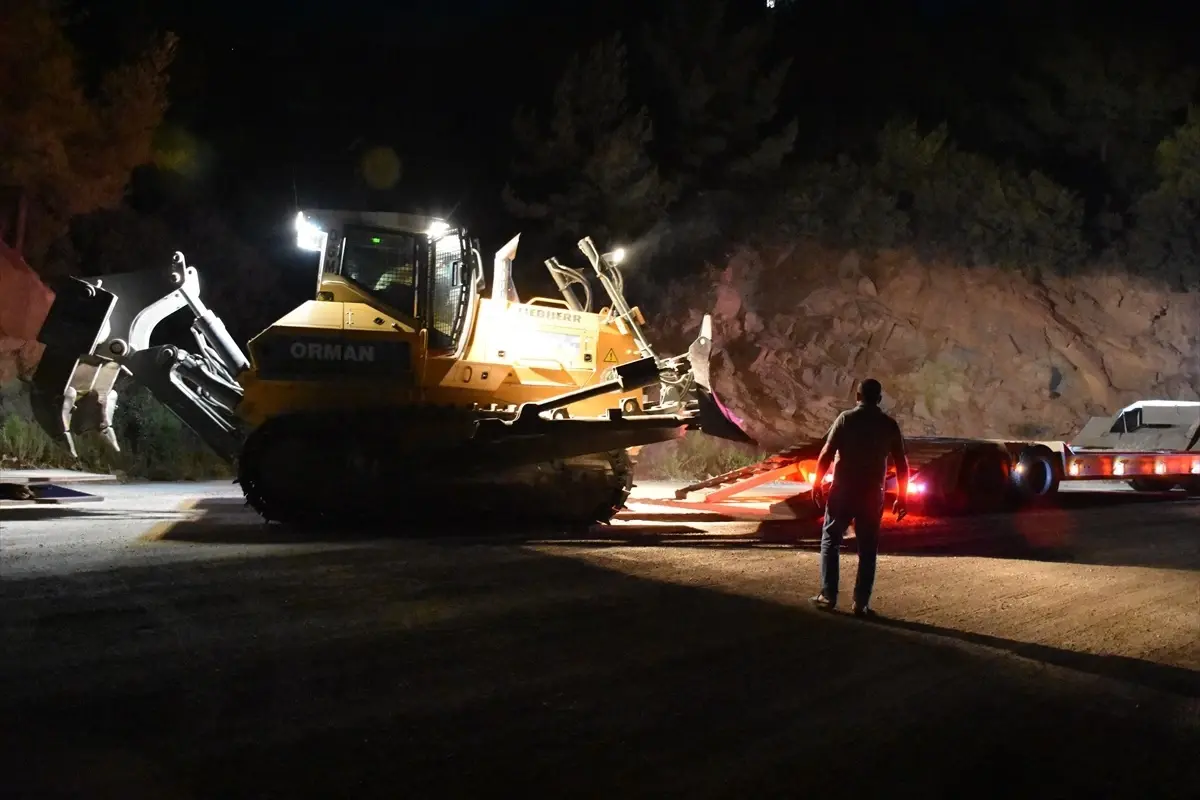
167,644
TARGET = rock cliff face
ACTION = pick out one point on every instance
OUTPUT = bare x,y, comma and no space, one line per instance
24,303
971,352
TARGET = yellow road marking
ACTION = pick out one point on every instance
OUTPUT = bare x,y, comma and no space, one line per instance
159,530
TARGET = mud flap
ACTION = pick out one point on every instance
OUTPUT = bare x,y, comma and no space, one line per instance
73,391
713,418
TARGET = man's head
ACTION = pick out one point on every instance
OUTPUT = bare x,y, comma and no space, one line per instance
870,392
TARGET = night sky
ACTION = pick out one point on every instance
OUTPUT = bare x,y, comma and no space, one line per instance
283,98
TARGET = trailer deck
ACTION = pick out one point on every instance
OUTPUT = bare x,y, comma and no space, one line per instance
779,486
1153,445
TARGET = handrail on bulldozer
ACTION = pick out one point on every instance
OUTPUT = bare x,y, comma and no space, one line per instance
548,301
613,283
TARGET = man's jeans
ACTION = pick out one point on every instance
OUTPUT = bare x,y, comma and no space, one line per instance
865,510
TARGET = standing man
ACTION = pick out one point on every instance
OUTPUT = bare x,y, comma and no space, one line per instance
862,438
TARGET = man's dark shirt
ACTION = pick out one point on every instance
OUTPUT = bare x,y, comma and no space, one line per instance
863,438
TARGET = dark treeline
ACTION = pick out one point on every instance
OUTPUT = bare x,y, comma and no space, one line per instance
1045,137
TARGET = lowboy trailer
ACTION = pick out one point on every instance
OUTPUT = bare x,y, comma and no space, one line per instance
1153,445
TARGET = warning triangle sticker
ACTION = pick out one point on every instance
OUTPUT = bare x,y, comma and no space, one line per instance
610,357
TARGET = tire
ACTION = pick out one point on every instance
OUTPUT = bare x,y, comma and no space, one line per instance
984,479
1037,474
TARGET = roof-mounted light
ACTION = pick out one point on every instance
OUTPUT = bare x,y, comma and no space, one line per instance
616,256
437,229
308,235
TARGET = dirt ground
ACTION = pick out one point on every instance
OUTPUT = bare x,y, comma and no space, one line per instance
1049,654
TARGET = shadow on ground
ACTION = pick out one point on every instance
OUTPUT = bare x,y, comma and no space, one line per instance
1094,528
1134,670
418,669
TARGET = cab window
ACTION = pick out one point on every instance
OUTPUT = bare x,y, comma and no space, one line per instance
385,265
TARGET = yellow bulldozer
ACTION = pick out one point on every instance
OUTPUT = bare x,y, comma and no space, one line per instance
402,389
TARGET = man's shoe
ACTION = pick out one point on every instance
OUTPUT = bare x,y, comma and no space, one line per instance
864,611
822,602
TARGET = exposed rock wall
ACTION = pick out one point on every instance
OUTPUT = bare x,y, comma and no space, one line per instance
978,352
24,303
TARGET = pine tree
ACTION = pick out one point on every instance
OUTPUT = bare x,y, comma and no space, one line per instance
586,170
1107,105
72,151
716,96
1165,241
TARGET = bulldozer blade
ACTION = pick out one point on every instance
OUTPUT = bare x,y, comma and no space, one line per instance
716,420
72,390
713,418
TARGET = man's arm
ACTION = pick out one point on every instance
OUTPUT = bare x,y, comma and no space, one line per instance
832,442
900,459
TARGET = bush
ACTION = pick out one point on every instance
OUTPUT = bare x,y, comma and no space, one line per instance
841,205
694,457
155,445
921,190
967,206
1164,240
24,444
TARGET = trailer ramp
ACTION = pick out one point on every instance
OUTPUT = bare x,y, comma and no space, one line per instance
780,486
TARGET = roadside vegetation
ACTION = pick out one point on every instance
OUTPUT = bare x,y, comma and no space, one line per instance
154,444
694,457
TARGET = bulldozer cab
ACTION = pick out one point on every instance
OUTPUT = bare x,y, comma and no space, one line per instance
417,269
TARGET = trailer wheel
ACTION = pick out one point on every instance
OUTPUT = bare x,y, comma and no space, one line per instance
1036,475
984,479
